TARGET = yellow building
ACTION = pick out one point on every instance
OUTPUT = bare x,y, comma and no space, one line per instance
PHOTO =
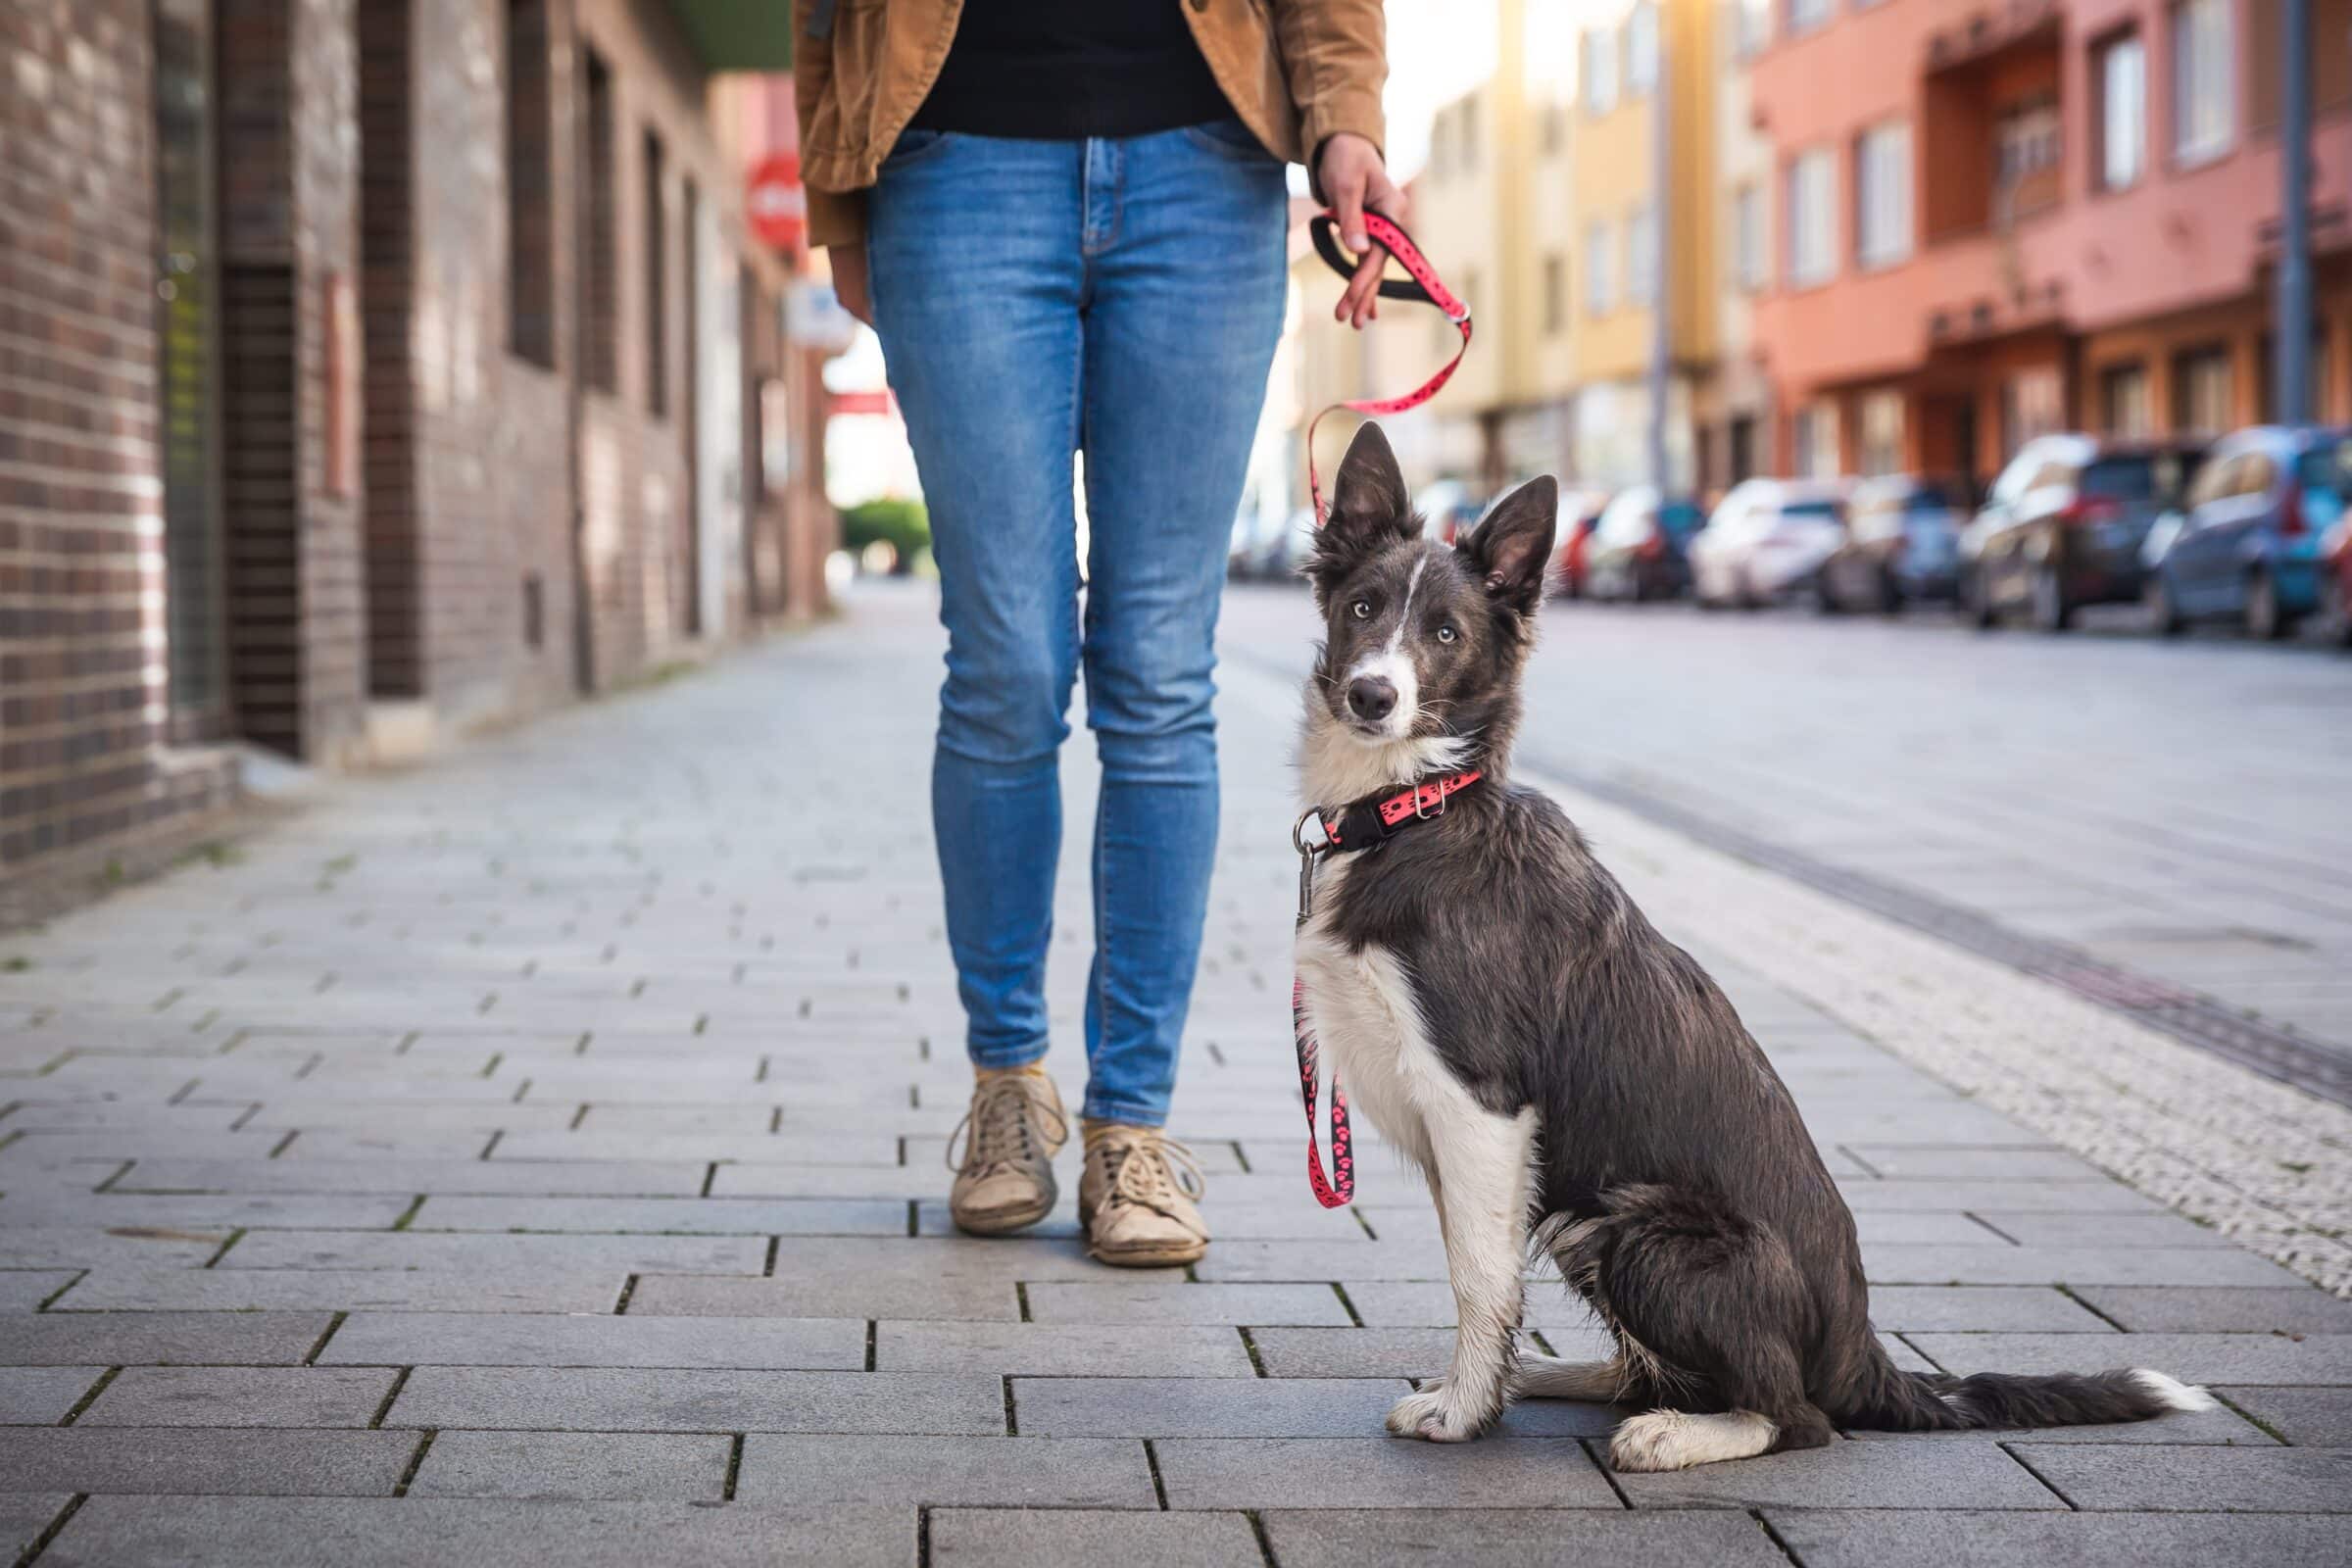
1624,50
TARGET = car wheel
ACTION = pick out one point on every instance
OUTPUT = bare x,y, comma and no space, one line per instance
1825,598
1976,602
2051,611
2164,613
2266,621
1890,596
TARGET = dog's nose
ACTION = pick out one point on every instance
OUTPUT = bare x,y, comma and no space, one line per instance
1370,697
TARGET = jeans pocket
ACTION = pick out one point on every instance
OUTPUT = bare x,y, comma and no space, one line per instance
915,144
1230,138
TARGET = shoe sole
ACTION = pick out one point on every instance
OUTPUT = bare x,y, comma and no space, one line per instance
1150,1258
1019,1219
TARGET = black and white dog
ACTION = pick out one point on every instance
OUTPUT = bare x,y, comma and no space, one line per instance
1567,1079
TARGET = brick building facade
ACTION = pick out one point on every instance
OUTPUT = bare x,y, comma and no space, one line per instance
369,370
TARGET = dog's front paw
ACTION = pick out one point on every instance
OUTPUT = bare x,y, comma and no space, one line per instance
1432,1415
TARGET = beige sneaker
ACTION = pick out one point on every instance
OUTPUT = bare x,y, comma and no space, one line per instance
1137,1197
1004,1177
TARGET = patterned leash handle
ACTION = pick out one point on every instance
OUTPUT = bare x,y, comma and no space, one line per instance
1421,283
1339,1188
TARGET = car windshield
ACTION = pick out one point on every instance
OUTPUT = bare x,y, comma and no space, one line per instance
1929,498
2328,469
1811,510
2140,475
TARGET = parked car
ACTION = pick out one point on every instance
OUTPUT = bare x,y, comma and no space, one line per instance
2064,525
1271,553
1580,514
2335,580
1901,545
1767,539
1450,508
2245,542
1637,550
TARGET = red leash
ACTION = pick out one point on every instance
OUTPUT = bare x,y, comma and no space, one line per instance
1364,824
1421,284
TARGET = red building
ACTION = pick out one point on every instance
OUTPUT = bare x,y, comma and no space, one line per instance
1994,221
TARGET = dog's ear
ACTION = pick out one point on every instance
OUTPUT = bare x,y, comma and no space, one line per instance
1369,508
1512,549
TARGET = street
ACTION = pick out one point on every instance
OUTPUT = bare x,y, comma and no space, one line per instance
518,1157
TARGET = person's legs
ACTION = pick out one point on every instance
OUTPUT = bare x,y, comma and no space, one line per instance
976,271
1187,272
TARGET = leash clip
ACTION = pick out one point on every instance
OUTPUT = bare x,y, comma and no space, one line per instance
1306,860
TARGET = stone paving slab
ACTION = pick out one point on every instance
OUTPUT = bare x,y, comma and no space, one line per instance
160,1339
849,1293
1178,1302
1969,1472
613,1399
1009,1537
241,1396
25,1289
576,1466
2311,1418
24,1516
659,1217
2307,1359
481,1533
1983,1308
2097,1479
2156,1309
1513,1537
456,1251
1884,1539
493,1339
1063,1349
42,1395
216,1213
1018,1472
1381,1472
260,1290
1896,1263
1202,1407
535,1177
196,1459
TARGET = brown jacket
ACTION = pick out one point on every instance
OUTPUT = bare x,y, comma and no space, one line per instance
1296,73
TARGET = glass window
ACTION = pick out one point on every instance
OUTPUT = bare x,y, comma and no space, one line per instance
1601,288
2120,70
2123,478
1600,71
1806,14
1642,49
1752,26
1881,432
1555,293
1641,255
1883,194
1812,247
530,185
1747,237
2204,64
2202,390
2124,399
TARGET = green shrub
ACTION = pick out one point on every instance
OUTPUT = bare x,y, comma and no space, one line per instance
904,525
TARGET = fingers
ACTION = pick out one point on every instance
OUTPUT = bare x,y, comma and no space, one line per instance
1360,301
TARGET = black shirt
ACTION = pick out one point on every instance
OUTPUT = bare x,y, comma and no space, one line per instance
1065,70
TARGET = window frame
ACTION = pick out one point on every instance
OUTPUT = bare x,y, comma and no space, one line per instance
2214,56
1824,212
1872,150
2104,51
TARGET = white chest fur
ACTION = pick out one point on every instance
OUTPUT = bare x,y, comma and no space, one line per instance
1364,1014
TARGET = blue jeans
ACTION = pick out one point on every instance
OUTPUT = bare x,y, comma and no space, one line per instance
1036,299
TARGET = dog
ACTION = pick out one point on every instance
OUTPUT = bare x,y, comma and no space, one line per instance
1572,1084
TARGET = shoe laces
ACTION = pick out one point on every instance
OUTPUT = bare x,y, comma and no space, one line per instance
1148,1168
1003,1125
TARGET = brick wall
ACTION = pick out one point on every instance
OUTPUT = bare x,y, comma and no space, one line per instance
88,776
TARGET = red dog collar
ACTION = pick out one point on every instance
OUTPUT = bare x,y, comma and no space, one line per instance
1375,819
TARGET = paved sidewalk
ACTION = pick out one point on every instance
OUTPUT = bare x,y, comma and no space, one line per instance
536,1158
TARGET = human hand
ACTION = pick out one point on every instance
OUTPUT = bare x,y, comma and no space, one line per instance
1352,175
849,280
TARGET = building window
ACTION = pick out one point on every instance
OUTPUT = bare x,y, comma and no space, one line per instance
2204,63
1883,432
657,280
1806,14
1747,237
1883,195
1812,221
1751,26
1642,49
2124,400
2120,70
530,186
600,273
1555,294
2203,398
2027,135
1815,440
1599,50
1641,255
1601,284
1555,129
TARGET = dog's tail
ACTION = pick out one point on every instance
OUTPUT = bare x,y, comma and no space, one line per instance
1935,1402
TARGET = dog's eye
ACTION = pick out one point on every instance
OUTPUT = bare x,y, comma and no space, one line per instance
1445,634
1361,609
